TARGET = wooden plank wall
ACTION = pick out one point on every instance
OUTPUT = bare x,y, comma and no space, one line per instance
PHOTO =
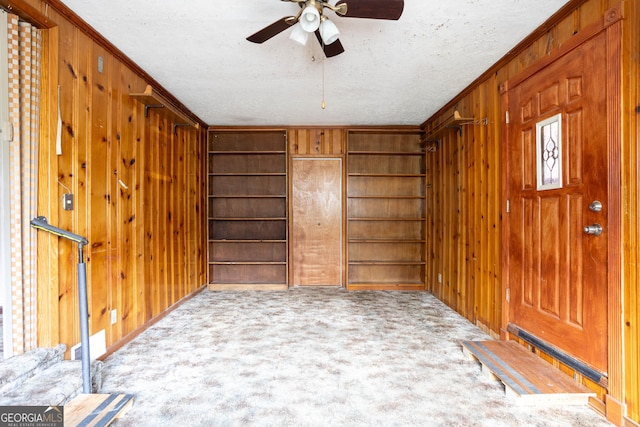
631,208
316,141
464,239
138,191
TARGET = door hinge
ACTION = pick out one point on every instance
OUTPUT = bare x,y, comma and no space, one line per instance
508,295
508,206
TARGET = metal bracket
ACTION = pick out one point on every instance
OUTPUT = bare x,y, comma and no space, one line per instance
482,122
146,108
175,125
432,148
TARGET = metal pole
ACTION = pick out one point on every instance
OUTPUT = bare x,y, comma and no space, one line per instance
41,223
84,322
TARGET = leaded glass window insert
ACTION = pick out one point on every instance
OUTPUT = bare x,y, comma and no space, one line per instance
549,153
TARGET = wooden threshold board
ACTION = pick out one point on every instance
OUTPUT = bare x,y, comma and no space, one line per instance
88,410
526,377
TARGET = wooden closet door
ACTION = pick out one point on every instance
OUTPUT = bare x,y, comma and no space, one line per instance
316,237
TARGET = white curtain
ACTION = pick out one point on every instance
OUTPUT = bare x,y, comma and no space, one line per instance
24,52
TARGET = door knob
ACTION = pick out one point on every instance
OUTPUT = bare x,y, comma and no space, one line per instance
594,230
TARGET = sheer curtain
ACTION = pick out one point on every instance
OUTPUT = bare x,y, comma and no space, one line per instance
24,51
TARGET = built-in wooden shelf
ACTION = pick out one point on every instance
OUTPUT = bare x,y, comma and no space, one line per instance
247,210
152,99
386,223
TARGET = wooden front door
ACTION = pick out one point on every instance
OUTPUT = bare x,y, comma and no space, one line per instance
557,169
316,241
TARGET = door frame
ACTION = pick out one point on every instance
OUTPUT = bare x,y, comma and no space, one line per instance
6,285
611,24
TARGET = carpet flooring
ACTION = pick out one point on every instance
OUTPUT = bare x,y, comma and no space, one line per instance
315,357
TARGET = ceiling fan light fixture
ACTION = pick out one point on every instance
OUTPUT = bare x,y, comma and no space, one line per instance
310,18
328,31
299,35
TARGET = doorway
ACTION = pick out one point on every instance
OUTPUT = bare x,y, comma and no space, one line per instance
316,222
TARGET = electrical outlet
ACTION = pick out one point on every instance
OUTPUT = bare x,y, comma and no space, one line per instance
114,316
439,277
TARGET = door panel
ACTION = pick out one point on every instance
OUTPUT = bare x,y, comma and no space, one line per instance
557,273
317,222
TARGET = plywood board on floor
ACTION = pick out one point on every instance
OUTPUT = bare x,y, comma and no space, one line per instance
526,377
88,410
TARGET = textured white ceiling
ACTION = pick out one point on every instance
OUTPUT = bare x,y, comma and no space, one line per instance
391,73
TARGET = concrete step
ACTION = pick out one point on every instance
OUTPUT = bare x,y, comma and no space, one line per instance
18,369
55,385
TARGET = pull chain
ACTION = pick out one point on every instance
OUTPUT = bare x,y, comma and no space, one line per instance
323,104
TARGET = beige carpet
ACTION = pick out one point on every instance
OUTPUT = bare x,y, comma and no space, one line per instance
315,357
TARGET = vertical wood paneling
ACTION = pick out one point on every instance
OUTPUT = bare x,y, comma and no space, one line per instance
126,222
631,201
48,314
479,157
67,295
81,137
138,192
316,141
98,267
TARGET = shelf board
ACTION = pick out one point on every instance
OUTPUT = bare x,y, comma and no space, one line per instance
248,219
246,152
387,286
386,153
247,263
225,286
454,121
386,197
389,175
247,174
152,99
387,283
386,219
247,241
248,196
390,241
387,263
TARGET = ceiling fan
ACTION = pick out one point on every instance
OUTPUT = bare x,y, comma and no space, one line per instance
311,19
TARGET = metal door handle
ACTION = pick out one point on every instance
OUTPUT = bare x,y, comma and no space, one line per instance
595,206
594,230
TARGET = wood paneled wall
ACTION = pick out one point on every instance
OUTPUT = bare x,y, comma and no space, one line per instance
138,187
631,208
316,141
464,237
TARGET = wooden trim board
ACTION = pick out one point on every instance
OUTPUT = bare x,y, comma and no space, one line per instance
246,287
527,378
96,409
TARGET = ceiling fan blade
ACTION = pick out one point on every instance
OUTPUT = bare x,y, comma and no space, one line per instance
272,30
332,49
373,9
